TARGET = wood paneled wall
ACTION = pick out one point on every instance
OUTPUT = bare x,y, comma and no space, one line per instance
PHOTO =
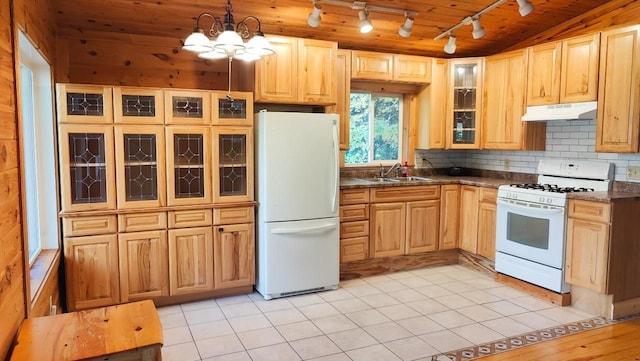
35,17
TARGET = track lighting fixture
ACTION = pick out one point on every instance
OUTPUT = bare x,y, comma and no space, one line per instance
365,24
524,7
313,20
450,47
405,29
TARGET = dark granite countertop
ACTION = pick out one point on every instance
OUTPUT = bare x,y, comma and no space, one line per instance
604,197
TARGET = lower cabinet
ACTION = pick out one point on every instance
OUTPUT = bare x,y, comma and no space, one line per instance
143,265
354,224
234,260
422,226
449,215
478,220
190,260
487,223
387,229
91,268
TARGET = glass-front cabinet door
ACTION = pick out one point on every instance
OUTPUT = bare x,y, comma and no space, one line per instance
235,108
86,104
187,107
188,165
140,153
465,103
87,173
233,164
138,105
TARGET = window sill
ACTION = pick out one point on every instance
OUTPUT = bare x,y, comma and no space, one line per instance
44,267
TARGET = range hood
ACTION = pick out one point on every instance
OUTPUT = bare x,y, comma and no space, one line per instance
571,111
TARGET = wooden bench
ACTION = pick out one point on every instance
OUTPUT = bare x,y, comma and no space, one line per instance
128,332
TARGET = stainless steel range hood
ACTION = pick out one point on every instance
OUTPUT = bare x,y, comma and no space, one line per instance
571,111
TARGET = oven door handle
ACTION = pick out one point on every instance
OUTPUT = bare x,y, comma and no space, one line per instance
525,208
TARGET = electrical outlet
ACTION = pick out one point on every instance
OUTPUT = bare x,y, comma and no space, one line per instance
507,164
633,173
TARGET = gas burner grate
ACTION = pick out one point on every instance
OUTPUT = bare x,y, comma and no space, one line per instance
552,188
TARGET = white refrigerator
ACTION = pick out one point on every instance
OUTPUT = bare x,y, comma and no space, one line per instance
298,224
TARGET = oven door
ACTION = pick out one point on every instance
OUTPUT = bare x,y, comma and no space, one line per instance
531,231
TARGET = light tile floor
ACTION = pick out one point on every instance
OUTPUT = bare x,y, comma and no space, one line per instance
410,315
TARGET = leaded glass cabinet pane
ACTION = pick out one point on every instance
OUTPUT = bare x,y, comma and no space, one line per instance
233,152
233,109
138,105
189,169
86,161
140,158
465,103
87,104
188,107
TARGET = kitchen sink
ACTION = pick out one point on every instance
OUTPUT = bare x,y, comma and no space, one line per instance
409,179
380,179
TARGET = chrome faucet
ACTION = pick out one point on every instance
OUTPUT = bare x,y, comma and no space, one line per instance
395,167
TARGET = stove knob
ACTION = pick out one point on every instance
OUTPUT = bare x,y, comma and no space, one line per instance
541,200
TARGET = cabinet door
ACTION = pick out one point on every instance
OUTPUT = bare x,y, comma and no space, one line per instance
579,75
412,69
449,211
469,217
234,256
187,107
190,260
317,71
587,254
86,104
233,164
369,65
91,269
144,270
237,110
504,106
387,229
422,231
277,75
619,91
138,105
464,105
140,153
87,169
343,95
437,104
188,165
487,230
543,85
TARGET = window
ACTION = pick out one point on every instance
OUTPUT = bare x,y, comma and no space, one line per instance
375,129
38,150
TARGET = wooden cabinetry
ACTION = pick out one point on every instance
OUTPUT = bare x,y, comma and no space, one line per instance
368,65
564,71
232,166
587,253
431,111
143,265
190,260
422,226
354,224
449,215
302,71
188,165
343,86
478,212
619,91
464,103
504,98
234,262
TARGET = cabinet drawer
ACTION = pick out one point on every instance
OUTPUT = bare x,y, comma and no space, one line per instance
354,212
190,218
591,211
354,249
135,222
488,195
233,215
354,229
354,196
89,226
401,194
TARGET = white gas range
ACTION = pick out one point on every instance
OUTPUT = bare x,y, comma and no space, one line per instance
531,219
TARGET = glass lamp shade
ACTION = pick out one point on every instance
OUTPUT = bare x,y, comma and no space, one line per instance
260,46
229,41
197,42
213,53
246,56
365,24
450,48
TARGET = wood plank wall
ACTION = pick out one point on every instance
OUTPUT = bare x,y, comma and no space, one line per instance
35,17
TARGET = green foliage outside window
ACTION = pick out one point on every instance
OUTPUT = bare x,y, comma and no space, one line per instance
374,128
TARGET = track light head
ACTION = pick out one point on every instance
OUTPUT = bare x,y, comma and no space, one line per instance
365,24
405,29
450,47
313,20
478,30
524,7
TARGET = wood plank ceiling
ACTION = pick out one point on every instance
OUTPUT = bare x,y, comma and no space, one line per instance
176,18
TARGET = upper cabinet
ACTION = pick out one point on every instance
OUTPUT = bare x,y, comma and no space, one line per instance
235,108
432,108
86,104
564,71
368,65
191,107
464,103
619,91
140,106
302,71
504,97
343,76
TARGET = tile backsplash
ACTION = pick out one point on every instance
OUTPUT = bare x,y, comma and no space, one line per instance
574,139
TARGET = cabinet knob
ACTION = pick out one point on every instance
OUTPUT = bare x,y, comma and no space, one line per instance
220,229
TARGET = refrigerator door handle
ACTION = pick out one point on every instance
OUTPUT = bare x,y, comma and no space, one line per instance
335,168
303,230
